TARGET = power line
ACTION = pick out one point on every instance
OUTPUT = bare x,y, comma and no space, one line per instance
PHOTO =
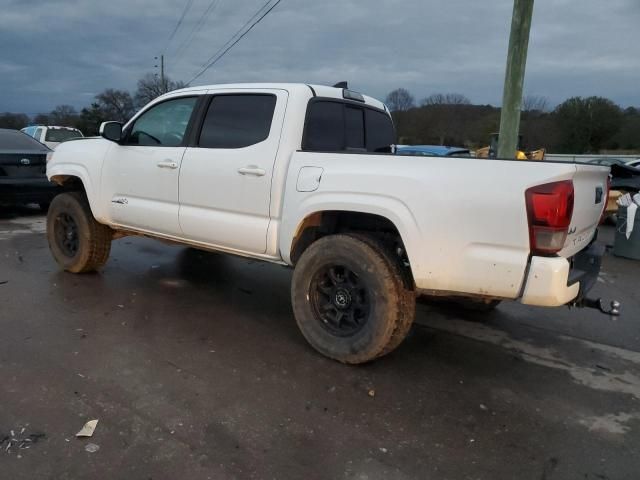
186,8
254,16
196,28
230,44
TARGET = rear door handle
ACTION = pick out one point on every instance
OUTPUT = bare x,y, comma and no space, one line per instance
168,164
252,170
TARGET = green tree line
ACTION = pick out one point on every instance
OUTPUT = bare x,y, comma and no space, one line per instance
577,125
110,104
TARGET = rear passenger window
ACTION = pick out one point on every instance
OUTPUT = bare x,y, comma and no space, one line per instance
236,121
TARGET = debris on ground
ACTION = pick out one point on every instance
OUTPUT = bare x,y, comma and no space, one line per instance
371,393
2,282
19,439
92,447
88,429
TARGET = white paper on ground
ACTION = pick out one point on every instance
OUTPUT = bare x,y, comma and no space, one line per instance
88,429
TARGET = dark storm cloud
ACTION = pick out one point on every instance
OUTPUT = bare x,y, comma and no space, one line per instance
57,52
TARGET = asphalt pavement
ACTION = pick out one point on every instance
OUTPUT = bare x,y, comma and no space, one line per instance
195,369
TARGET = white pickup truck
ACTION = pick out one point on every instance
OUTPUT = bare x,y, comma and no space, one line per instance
304,175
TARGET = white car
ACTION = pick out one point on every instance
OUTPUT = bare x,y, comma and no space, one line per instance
51,135
303,175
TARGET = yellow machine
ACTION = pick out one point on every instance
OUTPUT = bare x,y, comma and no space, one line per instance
492,150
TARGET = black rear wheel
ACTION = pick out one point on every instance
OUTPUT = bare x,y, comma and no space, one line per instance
350,300
340,299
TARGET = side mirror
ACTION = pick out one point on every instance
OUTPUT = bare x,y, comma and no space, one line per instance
111,131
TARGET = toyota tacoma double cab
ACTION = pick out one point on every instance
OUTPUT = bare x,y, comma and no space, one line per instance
306,176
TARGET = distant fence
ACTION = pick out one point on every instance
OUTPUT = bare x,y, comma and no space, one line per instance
560,157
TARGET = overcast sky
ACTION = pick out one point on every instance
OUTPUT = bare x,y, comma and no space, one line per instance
64,52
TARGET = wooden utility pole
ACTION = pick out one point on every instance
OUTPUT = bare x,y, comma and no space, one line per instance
514,78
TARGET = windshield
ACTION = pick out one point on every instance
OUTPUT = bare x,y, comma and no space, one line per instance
61,135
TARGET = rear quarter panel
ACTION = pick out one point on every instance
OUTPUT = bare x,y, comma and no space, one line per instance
463,220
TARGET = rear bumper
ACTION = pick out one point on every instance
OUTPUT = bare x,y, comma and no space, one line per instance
555,281
17,190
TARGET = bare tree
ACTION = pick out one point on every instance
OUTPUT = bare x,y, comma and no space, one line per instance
445,99
42,119
535,103
14,121
400,100
446,113
150,86
116,104
63,115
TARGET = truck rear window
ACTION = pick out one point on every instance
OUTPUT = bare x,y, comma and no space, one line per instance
61,135
335,126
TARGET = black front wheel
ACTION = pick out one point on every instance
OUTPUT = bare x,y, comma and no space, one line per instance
77,241
350,299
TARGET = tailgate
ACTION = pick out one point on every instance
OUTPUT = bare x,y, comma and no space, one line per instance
590,198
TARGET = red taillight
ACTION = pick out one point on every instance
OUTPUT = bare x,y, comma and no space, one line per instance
549,211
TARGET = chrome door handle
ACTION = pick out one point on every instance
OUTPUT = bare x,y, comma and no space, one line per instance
251,170
168,164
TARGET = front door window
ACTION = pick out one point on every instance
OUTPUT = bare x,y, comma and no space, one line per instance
164,124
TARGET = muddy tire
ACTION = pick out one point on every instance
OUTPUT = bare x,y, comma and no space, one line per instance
350,299
77,241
